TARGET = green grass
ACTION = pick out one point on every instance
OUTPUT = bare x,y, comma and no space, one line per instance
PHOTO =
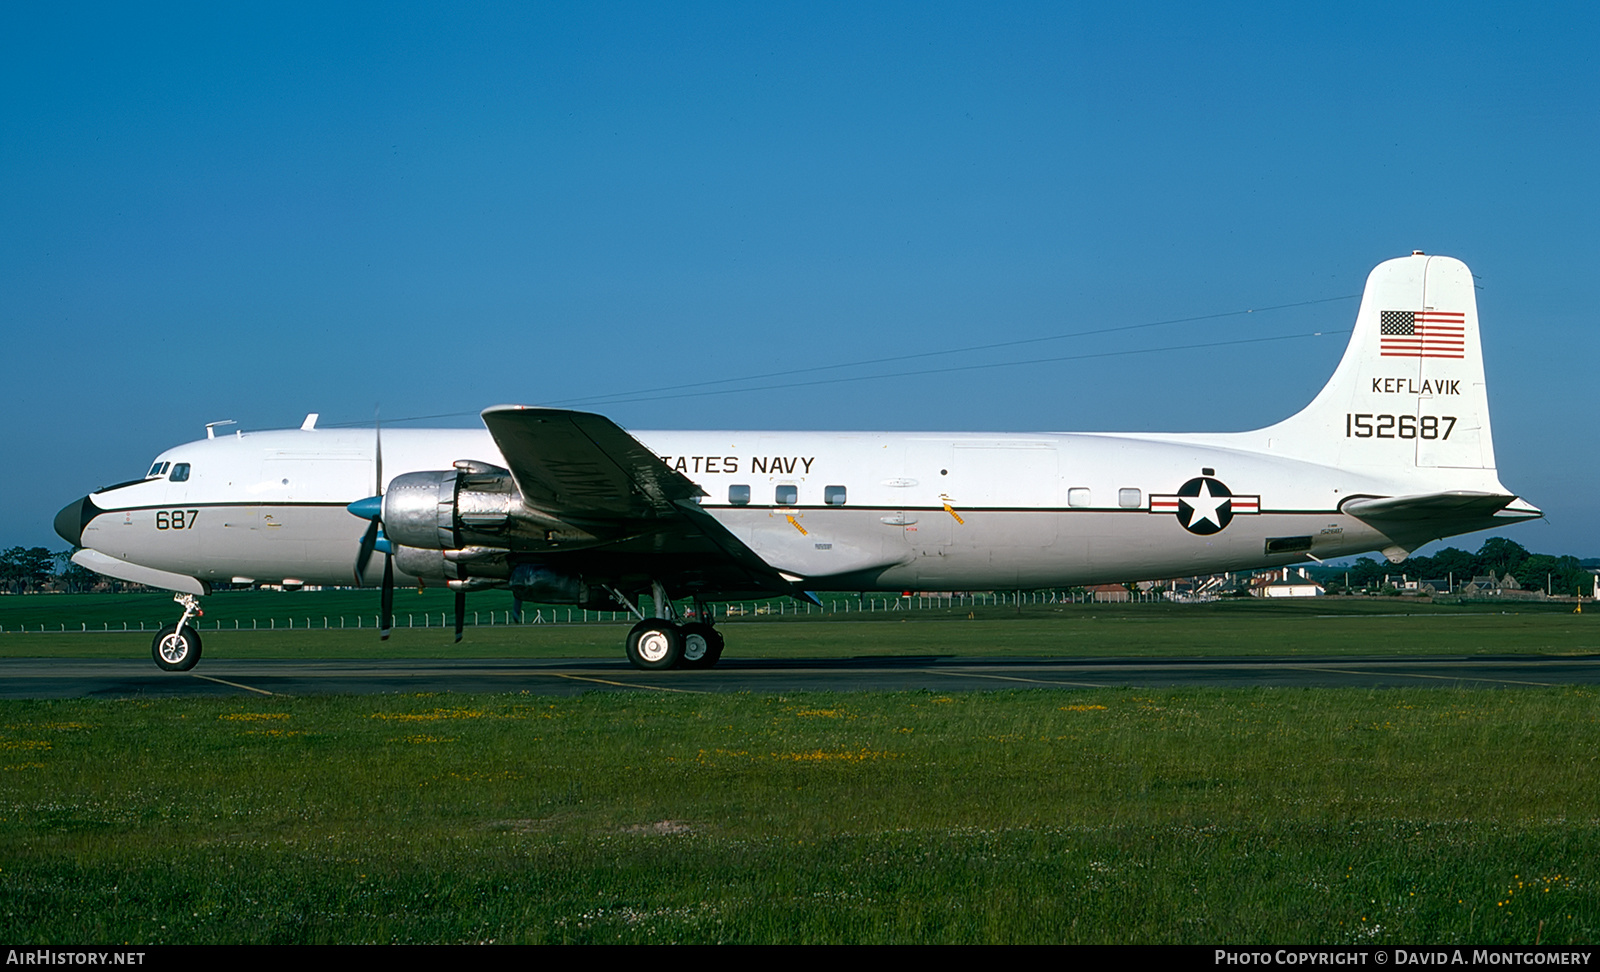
1241,817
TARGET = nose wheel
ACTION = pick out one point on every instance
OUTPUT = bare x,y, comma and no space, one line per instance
176,647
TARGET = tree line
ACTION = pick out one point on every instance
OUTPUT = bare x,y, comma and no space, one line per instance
25,570
1497,556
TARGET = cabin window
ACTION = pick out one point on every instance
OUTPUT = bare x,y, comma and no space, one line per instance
180,473
1129,499
739,495
787,495
1078,496
833,495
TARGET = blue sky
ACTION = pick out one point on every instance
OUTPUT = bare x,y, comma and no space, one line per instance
253,212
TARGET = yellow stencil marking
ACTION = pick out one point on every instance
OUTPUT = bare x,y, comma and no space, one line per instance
802,529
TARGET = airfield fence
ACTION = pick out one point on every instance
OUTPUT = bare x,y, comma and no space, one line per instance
550,614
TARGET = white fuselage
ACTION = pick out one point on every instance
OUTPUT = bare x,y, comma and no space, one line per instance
907,511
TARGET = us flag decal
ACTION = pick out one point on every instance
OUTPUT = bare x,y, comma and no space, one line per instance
1422,334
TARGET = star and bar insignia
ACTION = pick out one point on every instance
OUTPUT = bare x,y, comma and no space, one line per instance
1204,505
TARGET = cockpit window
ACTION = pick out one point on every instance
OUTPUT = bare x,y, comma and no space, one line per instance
158,469
180,473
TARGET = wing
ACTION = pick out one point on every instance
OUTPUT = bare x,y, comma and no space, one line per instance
584,466
583,469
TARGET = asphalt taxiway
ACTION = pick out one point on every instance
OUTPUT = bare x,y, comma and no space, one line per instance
37,678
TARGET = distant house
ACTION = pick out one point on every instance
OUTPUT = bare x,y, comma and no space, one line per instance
1110,593
1489,585
1202,588
1499,587
1285,582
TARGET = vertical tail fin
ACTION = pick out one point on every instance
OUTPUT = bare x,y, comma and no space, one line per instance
1408,400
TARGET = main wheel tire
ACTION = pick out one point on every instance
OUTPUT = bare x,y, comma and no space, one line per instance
702,645
654,644
174,650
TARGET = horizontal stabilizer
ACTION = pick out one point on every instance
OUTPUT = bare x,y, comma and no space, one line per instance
1449,505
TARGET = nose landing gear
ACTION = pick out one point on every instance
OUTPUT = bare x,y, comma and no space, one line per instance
176,647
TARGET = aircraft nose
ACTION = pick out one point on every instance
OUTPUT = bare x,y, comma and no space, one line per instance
73,518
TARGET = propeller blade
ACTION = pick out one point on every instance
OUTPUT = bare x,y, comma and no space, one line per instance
516,609
377,453
461,614
373,540
369,543
388,596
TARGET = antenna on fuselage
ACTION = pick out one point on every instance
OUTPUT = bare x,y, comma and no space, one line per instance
211,427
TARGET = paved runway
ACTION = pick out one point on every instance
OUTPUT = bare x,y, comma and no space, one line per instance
34,678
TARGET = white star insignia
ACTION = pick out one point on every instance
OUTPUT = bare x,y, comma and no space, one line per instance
1205,506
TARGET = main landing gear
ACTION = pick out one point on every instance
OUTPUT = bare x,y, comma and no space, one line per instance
177,646
657,643
665,641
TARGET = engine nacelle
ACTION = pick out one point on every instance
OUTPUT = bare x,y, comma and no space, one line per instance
450,509
473,505
485,564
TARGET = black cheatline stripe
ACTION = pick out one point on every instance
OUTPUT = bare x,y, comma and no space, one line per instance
995,509
209,506
959,508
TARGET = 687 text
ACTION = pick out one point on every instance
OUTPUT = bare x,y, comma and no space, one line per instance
176,519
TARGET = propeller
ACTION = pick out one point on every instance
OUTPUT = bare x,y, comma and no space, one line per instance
373,541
